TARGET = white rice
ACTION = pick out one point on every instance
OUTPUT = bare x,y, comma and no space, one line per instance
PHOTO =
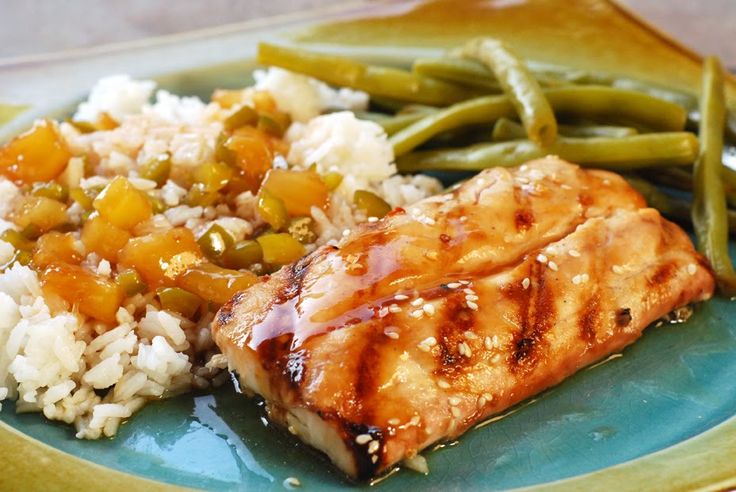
53,361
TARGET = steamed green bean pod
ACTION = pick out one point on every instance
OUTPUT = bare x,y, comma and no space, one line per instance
628,153
519,85
709,213
505,130
676,209
595,102
378,81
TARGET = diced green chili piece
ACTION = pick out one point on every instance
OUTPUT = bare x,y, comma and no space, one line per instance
243,254
519,85
242,117
199,196
274,124
179,301
53,190
628,153
84,197
272,210
130,282
18,240
157,169
378,81
332,180
280,249
215,241
372,204
709,213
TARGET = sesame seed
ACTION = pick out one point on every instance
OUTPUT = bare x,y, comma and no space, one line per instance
401,297
487,343
606,182
415,420
487,396
373,447
692,269
496,358
495,340
443,384
383,312
429,309
394,421
464,282
362,439
481,401
471,297
541,258
454,400
463,219
618,269
417,302
394,308
525,283
374,459
372,219
346,232
404,356
576,280
585,277
389,332
565,186
292,430
469,291
470,335
574,253
464,349
426,344
292,482
552,266
472,305
418,313
453,285
580,279
432,255
455,412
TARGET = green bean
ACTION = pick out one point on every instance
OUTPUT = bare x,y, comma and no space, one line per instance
674,177
709,213
377,81
519,85
584,101
687,101
628,153
505,130
676,209
397,123
459,71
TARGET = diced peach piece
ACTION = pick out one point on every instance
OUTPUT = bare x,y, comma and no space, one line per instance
161,257
55,247
40,154
215,284
122,205
299,190
39,211
252,152
101,237
94,296
227,98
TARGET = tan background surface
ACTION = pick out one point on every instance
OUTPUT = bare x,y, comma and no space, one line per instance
39,26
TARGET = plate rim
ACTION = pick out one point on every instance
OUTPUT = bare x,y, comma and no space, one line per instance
23,453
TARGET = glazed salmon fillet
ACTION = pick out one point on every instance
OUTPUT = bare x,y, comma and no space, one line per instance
416,327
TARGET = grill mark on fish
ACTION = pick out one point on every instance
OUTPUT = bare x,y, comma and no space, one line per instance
590,318
664,273
365,466
456,318
535,322
367,375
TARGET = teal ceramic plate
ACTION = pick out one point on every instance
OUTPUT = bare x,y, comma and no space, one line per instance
660,415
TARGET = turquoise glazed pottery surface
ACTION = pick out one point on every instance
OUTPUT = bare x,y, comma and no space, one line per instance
659,415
